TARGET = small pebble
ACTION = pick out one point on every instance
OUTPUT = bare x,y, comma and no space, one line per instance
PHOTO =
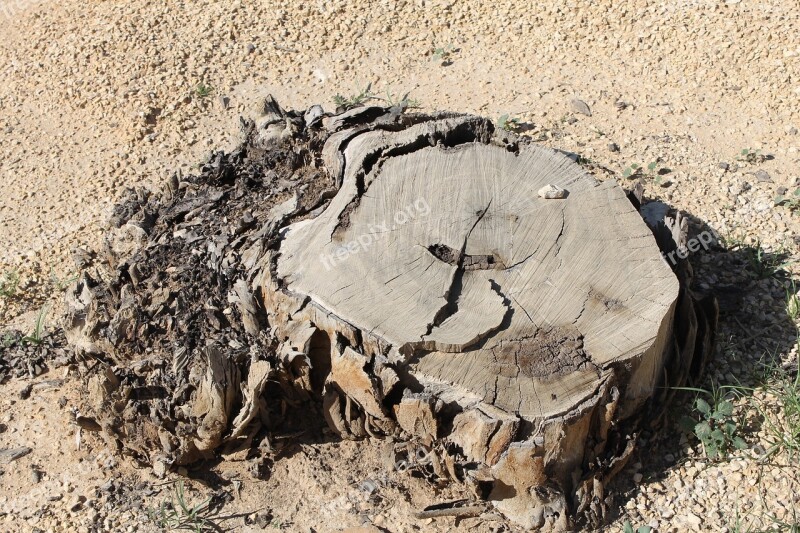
77,503
579,106
551,192
694,519
763,176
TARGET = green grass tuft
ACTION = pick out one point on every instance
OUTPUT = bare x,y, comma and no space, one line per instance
791,202
349,102
749,155
505,122
202,90
37,335
9,284
178,514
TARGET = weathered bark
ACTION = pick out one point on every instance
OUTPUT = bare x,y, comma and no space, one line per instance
416,285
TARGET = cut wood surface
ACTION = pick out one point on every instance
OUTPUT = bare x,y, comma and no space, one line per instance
446,257
535,324
426,277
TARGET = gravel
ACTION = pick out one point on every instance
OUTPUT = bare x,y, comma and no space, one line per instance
100,96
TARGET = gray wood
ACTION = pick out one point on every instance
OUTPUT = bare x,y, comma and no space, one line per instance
428,278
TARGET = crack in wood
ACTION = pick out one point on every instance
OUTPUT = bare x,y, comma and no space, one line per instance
371,163
528,397
450,308
467,262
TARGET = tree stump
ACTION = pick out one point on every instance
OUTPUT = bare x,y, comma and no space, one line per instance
437,280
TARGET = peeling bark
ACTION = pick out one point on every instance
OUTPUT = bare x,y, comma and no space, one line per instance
401,273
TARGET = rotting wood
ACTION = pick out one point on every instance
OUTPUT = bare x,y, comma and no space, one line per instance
397,275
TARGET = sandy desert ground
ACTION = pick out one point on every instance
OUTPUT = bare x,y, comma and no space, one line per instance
97,96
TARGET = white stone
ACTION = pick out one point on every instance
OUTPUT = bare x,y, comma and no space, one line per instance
551,192
693,519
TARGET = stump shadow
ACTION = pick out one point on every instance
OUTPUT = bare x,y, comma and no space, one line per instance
754,331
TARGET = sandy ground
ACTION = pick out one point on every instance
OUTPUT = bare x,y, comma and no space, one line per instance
99,96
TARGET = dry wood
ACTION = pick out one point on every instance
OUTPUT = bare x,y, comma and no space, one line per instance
8,455
417,284
459,512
